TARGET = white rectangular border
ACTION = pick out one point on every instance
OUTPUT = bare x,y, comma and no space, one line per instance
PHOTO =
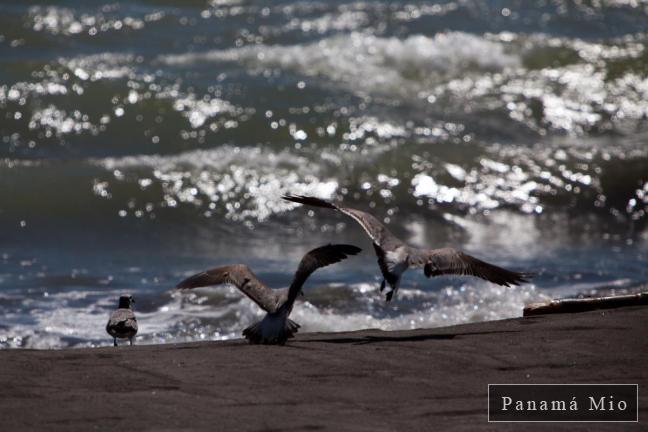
562,421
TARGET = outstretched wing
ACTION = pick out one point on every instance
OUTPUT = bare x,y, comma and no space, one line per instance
241,277
372,226
444,261
315,259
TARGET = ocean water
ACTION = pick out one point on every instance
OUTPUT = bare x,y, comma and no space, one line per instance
143,141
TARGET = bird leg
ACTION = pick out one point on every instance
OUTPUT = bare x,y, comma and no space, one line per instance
114,341
382,285
389,295
131,340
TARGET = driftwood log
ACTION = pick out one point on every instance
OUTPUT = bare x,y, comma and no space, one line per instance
585,304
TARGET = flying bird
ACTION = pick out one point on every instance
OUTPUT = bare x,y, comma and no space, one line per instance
275,327
395,257
122,323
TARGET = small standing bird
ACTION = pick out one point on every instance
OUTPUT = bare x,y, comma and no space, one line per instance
275,327
395,257
122,323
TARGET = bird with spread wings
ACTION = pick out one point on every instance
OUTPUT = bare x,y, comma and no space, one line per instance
395,257
275,327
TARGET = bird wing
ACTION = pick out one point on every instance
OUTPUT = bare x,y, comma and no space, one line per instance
386,265
122,318
241,277
372,226
315,259
452,261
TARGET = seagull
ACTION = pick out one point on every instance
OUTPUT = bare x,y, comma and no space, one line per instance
395,257
122,323
275,327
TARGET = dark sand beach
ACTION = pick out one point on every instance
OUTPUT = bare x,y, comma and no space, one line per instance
145,141
367,380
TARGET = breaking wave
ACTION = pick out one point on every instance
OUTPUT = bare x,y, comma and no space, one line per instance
222,313
369,63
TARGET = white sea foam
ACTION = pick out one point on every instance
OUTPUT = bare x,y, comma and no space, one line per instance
65,21
341,20
243,183
54,120
222,313
472,302
485,189
366,62
101,66
199,111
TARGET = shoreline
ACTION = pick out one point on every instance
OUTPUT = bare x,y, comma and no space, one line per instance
363,380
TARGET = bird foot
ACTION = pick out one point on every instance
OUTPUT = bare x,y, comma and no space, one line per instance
389,295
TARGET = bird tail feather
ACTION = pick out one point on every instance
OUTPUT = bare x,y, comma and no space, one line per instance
273,329
309,200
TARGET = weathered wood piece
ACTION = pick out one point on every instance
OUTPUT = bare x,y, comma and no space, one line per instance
585,304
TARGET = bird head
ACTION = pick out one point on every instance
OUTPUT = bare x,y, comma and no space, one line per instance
125,301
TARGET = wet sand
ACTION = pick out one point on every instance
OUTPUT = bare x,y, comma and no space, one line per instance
362,381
